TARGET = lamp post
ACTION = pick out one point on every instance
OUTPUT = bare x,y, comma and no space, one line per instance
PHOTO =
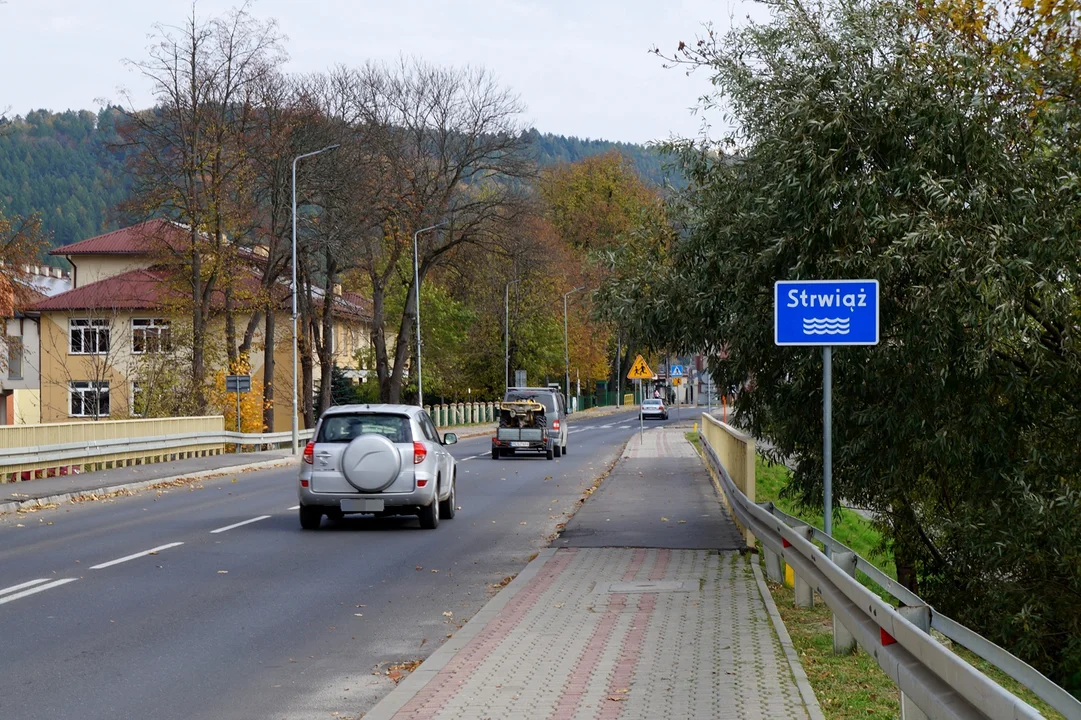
506,326
416,286
296,417
566,340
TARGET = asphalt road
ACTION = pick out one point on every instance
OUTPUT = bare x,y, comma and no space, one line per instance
238,613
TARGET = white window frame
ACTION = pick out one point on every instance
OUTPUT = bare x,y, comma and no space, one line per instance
85,388
146,329
16,357
90,332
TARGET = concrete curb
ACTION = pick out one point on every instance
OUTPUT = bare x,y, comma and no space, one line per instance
804,685
142,485
415,682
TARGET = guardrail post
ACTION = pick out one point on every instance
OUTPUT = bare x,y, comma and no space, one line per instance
920,616
805,592
774,569
843,641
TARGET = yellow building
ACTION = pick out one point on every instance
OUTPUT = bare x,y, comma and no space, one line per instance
109,344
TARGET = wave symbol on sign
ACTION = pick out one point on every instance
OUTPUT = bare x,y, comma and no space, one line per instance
825,326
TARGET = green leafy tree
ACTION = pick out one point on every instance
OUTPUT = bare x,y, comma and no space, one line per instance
873,140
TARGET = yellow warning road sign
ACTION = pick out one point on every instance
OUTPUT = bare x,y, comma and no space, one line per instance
677,381
640,371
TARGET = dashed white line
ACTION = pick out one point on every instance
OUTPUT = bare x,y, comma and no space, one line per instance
624,427
236,525
295,507
136,555
39,588
20,586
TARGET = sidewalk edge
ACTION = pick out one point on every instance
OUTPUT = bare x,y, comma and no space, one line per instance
141,485
386,708
804,685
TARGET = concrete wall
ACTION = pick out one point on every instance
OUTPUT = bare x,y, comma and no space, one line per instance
92,268
27,406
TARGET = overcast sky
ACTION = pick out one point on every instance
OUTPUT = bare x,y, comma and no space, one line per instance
581,68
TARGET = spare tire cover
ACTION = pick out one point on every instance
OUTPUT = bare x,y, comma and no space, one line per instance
371,462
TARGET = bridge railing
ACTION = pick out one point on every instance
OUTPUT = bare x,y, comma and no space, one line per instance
31,451
936,680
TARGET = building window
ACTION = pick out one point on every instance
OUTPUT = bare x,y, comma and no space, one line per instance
89,337
89,399
150,336
15,358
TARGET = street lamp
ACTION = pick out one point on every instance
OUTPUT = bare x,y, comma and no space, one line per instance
416,285
506,325
296,420
566,340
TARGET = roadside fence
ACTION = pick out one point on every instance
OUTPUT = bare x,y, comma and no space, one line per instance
33,451
934,681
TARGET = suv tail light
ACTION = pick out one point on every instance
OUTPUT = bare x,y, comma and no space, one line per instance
555,425
419,452
309,453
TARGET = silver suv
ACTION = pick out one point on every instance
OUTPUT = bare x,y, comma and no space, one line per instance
380,460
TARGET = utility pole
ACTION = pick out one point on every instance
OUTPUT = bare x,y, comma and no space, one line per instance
506,326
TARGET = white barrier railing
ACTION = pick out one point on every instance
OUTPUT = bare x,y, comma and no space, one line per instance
937,680
120,451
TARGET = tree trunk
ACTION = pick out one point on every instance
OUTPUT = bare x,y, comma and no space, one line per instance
198,329
307,366
326,347
379,340
268,370
401,345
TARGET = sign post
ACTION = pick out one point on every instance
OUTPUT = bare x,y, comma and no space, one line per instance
238,384
676,374
826,313
639,372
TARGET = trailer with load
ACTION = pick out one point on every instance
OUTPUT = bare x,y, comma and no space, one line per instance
523,427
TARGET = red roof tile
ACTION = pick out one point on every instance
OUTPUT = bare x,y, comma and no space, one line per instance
133,290
141,239
151,290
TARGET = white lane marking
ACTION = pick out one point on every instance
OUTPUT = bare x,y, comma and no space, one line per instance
236,525
20,586
624,427
136,555
39,588
604,426
295,507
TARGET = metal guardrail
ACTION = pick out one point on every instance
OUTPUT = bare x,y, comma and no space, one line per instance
77,453
938,681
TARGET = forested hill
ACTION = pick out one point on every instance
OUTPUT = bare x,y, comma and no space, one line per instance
61,166
554,149
65,167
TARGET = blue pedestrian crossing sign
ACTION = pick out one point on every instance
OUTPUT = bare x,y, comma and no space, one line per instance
676,371
825,312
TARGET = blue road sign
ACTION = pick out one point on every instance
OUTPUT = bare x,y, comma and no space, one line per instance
825,312
677,371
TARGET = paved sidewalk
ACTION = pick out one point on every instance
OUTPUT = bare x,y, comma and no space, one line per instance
674,631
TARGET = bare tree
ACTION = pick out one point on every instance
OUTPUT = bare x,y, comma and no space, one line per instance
444,145
190,162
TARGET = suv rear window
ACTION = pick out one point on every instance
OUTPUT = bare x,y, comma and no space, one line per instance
548,400
343,428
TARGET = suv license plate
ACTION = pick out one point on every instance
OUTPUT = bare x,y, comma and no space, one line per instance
362,506
518,443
